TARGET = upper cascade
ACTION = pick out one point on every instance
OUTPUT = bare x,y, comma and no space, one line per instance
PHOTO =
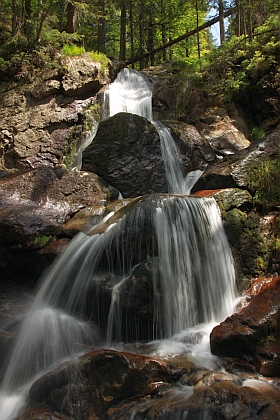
132,92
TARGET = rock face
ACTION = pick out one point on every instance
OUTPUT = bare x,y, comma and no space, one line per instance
194,150
234,171
254,331
224,137
34,206
42,120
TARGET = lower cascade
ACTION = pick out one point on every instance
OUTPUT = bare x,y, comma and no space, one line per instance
169,250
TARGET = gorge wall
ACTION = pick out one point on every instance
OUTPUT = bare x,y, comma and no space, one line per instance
43,203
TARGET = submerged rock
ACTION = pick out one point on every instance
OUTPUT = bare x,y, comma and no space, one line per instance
114,385
99,380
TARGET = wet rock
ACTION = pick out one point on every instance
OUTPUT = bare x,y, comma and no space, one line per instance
268,357
228,198
126,154
134,304
97,381
34,206
40,414
222,400
194,151
248,333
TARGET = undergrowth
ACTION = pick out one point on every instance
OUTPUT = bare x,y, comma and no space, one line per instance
264,181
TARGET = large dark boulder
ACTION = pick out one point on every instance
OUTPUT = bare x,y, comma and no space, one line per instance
126,154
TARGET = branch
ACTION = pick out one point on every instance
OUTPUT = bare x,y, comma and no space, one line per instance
181,38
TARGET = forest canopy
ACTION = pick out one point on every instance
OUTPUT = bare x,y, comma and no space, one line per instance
138,32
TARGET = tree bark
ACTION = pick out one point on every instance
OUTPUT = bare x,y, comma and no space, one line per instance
238,18
42,17
250,23
71,18
222,21
15,21
131,31
142,55
197,25
27,27
123,31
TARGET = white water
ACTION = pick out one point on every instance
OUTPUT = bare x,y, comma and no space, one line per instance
194,265
132,93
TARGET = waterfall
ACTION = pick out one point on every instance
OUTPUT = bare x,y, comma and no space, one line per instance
176,238
131,92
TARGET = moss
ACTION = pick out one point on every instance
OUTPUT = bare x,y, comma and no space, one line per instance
41,240
234,221
264,181
69,155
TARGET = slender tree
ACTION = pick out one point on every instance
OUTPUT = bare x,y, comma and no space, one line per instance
101,33
222,21
123,31
15,18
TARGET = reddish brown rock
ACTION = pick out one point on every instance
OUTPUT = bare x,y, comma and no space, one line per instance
246,333
97,381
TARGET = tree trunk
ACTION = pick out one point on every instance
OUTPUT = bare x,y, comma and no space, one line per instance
123,31
222,21
15,21
164,41
250,23
42,17
71,18
151,39
197,25
131,32
27,27
101,35
238,18
141,37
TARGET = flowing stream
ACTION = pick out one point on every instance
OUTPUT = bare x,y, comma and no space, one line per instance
178,236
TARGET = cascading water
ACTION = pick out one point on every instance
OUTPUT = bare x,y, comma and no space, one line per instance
178,239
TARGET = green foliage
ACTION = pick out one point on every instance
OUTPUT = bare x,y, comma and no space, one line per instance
41,240
257,133
239,64
72,50
265,180
99,57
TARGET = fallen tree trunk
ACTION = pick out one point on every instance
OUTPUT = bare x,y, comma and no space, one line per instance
180,38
